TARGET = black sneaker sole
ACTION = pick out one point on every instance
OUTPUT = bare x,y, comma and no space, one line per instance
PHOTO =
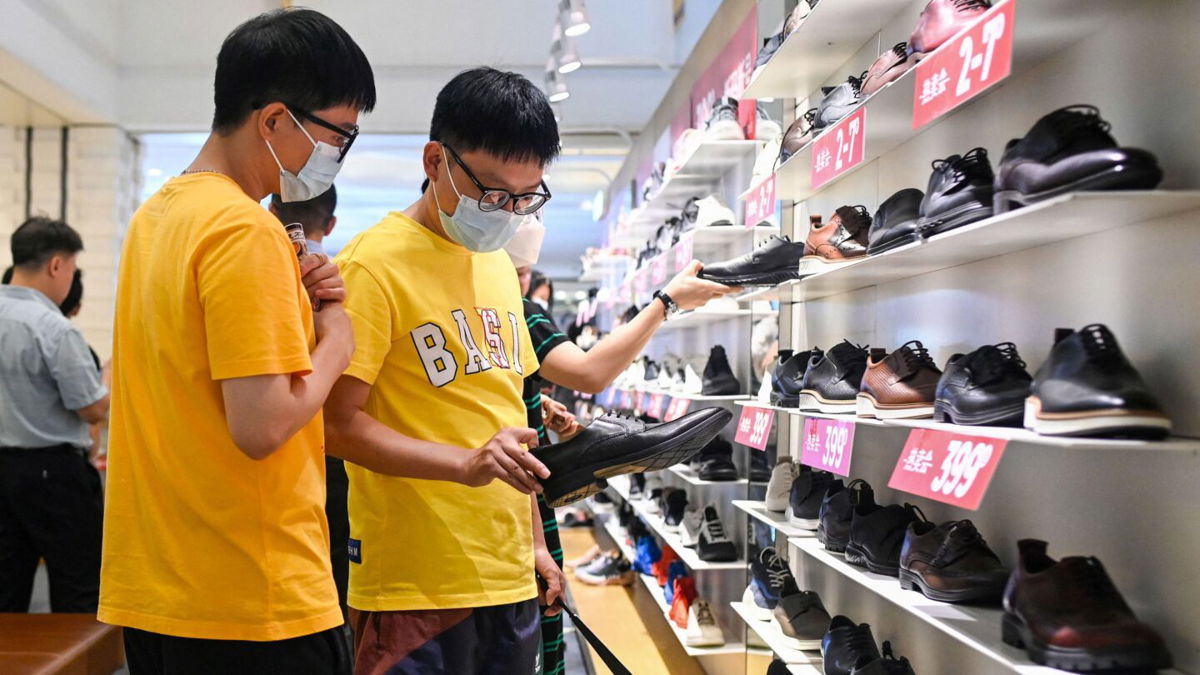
784,401
1010,416
718,476
582,481
911,581
954,218
894,244
857,555
1129,176
770,278
1138,658
831,545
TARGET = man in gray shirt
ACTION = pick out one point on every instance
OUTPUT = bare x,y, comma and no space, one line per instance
50,391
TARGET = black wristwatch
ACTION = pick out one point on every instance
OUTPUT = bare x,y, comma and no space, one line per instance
669,306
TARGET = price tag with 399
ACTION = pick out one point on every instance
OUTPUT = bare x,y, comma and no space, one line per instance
828,445
947,467
754,427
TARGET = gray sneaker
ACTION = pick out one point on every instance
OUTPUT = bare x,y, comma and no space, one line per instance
779,489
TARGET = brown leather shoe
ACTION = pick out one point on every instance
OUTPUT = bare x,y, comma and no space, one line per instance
798,134
1068,614
900,385
890,65
833,244
950,563
942,20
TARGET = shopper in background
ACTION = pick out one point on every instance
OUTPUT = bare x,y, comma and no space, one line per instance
315,215
541,291
70,307
50,391
216,548
443,558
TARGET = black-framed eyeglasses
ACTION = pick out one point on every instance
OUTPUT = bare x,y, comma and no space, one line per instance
494,199
348,136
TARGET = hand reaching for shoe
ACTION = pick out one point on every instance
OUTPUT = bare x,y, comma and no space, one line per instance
559,420
689,291
503,457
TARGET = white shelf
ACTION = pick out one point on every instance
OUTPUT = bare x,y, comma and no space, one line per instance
704,317
1041,29
976,627
655,523
685,472
693,397
779,521
832,33
714,236
804,669
772,634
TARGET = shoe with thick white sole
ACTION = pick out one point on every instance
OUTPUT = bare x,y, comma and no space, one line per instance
866,406
689,531
755,604
692,384
812,402
702,628
900,385
1110,422
723,124
708,212
802,523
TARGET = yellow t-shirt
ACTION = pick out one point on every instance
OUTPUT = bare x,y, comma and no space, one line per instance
440,335
201,541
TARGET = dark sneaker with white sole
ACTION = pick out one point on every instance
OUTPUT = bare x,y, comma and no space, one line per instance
959,193
837,512
802,618
987,386
877,535
808,489
1086,387
716,461
719,379
774,262
677,502
714,546
613,445
888,664
831,382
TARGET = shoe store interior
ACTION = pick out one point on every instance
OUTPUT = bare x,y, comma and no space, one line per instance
843,337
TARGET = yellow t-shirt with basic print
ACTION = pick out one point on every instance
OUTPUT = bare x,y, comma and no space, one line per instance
200,540
441,338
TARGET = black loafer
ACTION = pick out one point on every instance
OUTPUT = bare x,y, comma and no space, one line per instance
613,445
895,223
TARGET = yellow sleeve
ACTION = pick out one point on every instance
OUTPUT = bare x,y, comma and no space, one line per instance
254,319
371,315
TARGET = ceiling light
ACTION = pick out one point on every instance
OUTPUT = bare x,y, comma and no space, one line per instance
574,16
556,84
563,52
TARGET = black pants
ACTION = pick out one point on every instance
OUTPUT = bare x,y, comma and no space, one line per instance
337,488
51,508
321,653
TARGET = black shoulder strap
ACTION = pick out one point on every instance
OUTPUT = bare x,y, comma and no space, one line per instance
614,664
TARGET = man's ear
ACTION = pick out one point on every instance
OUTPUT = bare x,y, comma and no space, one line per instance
329,225
54,266
432,158
271,119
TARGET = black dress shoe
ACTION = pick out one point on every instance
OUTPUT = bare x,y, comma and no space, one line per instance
774,262
959,193
1088,388
613,445
718,379
895,222
888,664
716,461
877,535
1070,150
831,383
846,645
760,465
950,563
789,373
987,386
675,505
837,512
804,502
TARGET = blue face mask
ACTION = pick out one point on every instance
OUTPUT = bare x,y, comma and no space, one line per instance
315,177
472,227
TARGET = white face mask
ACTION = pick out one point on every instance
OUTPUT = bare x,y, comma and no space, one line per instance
315,177
526,242
472,227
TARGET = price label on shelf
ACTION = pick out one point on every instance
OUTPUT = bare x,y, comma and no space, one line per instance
654,407
965,66
828,445
626,399
607,397
641,281
754,427
676,409
658,270
639,401
683,252
947,467
839,149
760,203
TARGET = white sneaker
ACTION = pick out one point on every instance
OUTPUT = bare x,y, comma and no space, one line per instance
764,163
692,384
764,126
779,488
689,532
764,389
712,213
665,381
652,483
723,123
702,628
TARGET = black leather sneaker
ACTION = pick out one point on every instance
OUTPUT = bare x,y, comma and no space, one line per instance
987,386
1087,387
802,618
772,263
788,375
716,461
837,512
808,489
895,222
877,534
676,505
719,379
1070,150
613,445
714,546
959,193
888,664
845,645
831,383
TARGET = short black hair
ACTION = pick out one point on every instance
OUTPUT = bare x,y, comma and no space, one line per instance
74,296
311,213
299,57
500,113
7,278
40,238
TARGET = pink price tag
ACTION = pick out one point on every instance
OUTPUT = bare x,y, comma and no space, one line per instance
947,467
760,203
828,445
626,399
683,252
639,401
641,281
658,270
754,427
678,408
839,149
654,408
965,66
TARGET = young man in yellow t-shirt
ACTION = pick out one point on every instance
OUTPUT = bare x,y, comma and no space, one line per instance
216,549
442,573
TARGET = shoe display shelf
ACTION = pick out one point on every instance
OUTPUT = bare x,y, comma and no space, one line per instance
977,627
608,267
685,472
693,397
804,669
721,235
778,521
704,316
1041,29
656,592
670,538
770,633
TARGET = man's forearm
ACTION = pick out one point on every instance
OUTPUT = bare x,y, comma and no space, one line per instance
369,443
595,369
539,530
